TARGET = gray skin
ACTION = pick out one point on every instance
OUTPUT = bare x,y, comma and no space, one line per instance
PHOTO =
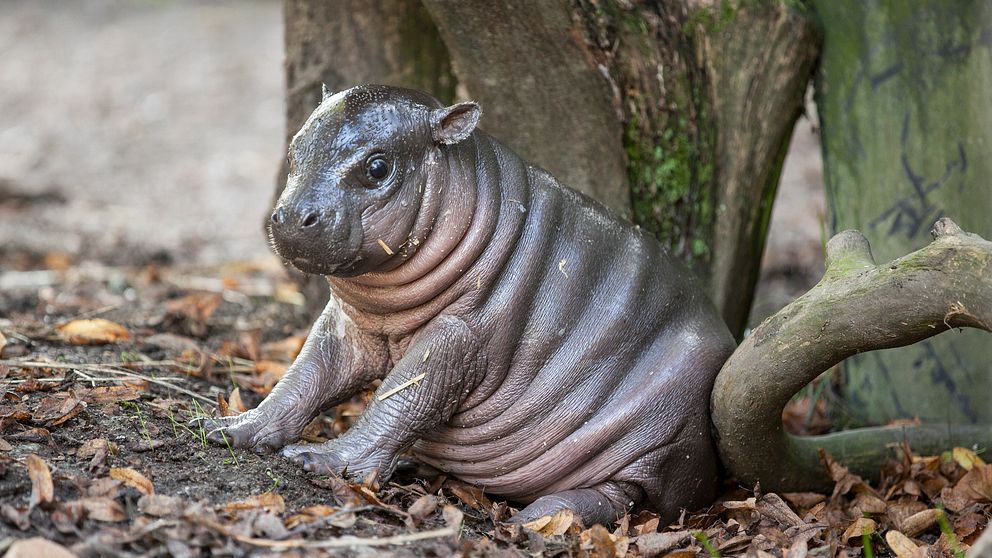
528,340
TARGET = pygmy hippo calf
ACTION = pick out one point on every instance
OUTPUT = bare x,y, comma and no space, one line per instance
528,340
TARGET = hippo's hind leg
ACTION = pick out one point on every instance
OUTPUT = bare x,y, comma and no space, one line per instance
603,503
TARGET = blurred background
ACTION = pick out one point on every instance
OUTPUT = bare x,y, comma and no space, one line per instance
152,131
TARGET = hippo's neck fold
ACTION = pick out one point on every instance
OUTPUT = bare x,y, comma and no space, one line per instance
468,223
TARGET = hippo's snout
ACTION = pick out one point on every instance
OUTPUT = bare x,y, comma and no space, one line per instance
308,237
286,221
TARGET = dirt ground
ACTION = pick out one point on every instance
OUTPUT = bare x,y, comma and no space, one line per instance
139,143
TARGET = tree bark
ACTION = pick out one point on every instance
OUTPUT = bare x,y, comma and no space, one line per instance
857,307
904,93
542,92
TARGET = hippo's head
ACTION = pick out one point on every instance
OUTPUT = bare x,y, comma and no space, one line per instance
357,172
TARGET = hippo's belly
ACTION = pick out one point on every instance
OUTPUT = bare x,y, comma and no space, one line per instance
582,418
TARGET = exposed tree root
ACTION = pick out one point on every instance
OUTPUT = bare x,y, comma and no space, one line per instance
858,306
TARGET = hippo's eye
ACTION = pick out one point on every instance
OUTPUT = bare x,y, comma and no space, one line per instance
377,168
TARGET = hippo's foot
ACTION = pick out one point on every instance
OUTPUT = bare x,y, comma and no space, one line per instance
254,429
602,504
349,457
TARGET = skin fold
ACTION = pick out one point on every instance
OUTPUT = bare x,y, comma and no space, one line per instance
528,340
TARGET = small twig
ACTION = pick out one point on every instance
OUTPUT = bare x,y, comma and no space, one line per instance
403,386
349,542
98,367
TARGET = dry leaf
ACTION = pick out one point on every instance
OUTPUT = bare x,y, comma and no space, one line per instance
452,516
774,508
552,525
600,543
309,515
96,331
111,394
103,509
471,496
966,458
858,528
903,546
133,479
235,402
975,486
919,522
42,488
270,501
160,505
36,547
3,343
57,409
190,313
424,507
91,447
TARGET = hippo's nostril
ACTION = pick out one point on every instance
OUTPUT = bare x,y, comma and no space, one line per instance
278,216
310,220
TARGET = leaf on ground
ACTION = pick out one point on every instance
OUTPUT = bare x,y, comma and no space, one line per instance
422,508
161,505
552,525
223,409
133,478
966,458
235,402
17,413
67,517
655,544
804,500
975,486
59,408
103,509
903,546
472,496
3,343
42,488
270,501
5,445
189,314
600,543
111,394
19,517
309,514
452,516
919,522
859,527
95,331
773,507
35,547
104,487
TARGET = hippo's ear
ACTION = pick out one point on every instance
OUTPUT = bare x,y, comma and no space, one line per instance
452,124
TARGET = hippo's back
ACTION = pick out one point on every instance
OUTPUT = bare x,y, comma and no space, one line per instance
600,350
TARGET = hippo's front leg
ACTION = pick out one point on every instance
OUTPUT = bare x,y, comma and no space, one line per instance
422,391
336,362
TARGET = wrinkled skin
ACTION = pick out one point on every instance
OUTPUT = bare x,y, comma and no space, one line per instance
528,340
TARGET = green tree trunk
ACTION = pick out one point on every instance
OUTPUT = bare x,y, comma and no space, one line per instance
905,99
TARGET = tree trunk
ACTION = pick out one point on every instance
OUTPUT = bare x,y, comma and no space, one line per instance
904,94
676,113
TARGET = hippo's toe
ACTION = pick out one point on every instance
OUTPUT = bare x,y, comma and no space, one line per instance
253,430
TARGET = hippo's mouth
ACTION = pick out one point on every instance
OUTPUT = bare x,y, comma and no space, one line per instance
309,266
